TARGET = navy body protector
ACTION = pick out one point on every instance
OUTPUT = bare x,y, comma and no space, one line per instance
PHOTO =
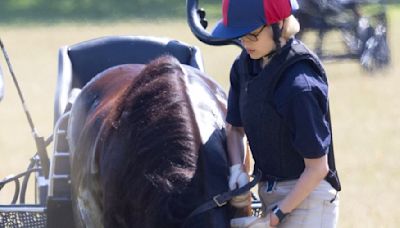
260,116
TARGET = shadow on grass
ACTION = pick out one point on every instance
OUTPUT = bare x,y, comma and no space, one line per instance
49,11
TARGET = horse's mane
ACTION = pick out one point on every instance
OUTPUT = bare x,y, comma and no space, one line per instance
153,130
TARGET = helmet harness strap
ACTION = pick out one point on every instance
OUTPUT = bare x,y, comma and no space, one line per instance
277,32
276,35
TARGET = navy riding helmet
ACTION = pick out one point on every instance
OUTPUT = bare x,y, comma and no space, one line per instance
240,17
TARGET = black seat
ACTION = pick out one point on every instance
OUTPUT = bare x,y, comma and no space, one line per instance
79,63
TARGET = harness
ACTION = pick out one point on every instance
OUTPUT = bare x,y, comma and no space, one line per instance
222,199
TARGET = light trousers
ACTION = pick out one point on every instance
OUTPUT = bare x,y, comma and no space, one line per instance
319,210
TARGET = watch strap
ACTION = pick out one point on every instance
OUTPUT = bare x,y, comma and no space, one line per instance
279,213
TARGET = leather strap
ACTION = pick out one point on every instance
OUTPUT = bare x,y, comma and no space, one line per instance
222,199
279,213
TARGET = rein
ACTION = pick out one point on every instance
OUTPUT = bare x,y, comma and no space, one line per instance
40,141
223,198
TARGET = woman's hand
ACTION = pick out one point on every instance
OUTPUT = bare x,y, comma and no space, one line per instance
238,178
273,220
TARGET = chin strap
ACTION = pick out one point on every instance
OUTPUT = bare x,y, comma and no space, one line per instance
269,55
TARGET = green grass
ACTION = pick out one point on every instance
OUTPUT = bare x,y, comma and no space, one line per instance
365,109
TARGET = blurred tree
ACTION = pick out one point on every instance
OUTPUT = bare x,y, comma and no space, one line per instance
56,10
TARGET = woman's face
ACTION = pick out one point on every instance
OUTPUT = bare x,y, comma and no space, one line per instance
259,42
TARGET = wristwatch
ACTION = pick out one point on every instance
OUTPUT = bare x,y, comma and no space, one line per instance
277,211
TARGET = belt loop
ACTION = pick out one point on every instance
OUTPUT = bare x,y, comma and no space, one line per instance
270,185
334,198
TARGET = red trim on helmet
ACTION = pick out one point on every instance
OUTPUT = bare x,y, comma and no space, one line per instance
276,10
225,6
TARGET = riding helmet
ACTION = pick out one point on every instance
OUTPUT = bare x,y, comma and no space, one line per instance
240,17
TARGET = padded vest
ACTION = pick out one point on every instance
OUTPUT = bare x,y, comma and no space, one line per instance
269,137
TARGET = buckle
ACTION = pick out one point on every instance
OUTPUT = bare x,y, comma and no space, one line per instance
215,198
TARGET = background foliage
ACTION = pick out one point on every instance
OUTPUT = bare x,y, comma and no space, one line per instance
52,11
49,11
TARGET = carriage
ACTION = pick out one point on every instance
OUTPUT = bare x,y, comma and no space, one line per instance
361,26
77,65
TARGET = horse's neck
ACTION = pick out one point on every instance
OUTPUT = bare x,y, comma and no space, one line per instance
207,104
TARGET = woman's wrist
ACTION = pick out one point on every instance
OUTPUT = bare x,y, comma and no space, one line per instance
285,208
236,167
279,213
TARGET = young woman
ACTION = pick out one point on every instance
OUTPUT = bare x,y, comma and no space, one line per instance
279,99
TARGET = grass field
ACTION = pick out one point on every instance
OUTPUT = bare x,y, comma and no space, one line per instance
365,109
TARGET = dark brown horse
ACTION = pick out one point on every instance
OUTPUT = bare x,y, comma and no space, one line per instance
148,147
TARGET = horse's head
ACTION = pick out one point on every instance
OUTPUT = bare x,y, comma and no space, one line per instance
145,138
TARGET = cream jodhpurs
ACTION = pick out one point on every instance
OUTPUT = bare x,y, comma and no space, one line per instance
319,210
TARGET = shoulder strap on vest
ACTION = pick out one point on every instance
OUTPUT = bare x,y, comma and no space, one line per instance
332,177
296,53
